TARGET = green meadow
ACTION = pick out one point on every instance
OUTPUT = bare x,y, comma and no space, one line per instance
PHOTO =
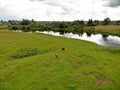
108,29
28,62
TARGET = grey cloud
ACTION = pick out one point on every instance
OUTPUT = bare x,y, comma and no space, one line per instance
48,2
48,13
104,12
113,3
5,14
66,9
52,4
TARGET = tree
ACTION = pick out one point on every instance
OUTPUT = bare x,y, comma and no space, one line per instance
25,22
62,25
32,21
106,21
79,23
96,22
90,22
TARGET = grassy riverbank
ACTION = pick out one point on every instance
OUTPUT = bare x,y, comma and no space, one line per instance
108,29
28,62
102,29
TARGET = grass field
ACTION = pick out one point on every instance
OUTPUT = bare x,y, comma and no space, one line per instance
108,29
28,62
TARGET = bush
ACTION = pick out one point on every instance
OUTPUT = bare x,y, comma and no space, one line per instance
14,28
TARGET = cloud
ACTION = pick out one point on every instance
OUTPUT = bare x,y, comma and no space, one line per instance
104,12
63,10
58,3
52,3
5,14
113,3
79,9
37,0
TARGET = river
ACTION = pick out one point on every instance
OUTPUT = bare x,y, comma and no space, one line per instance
99,39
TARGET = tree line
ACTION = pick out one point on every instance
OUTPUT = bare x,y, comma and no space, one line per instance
77,26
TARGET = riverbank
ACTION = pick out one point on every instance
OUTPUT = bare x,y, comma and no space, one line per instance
113,30
99,39
107,30
27,61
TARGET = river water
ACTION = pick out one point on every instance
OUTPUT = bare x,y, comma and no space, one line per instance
96,38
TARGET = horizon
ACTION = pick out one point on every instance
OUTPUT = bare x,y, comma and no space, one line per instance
55,20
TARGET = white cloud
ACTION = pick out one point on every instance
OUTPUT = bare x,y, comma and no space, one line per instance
57,9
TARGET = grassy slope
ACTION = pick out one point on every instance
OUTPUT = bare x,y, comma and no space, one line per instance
82,66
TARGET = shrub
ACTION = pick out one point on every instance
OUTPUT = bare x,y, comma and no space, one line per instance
14,28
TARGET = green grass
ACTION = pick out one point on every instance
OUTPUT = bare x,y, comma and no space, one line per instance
28,62
108,29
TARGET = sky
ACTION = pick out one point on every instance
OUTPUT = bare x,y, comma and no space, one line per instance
59,10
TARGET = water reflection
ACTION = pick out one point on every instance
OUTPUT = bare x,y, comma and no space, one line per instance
89,34
103,40
105,37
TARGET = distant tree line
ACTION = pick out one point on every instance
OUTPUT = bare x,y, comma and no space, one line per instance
77,26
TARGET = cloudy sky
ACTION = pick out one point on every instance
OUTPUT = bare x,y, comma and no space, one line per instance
62,10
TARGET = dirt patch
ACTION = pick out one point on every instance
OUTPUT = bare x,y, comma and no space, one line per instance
102,81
